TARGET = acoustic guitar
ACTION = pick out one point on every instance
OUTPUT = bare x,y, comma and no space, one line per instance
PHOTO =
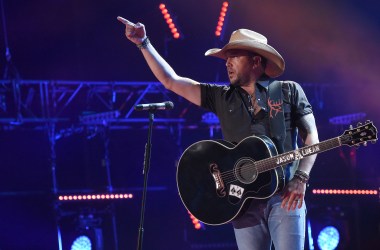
216,178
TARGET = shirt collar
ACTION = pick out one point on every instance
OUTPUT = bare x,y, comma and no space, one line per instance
264,83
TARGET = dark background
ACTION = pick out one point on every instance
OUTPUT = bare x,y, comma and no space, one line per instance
330,47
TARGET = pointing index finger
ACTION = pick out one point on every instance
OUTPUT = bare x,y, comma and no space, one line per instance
125,21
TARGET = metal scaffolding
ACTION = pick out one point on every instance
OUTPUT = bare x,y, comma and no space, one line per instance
37,102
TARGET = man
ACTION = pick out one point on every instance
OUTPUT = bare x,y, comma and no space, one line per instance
245,108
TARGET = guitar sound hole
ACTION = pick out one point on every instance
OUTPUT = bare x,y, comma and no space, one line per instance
245,170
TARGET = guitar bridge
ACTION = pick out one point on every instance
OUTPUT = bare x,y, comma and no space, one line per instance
219,184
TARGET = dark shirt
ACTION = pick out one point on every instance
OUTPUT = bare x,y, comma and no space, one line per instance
231,105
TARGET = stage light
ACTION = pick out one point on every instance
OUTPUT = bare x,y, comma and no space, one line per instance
79,197
212,121
330,228
328,238
82,243
196,223
210,118
310,236
220,24
86,226
169,20
347,119
345,192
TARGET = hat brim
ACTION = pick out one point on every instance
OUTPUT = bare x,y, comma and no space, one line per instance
275,63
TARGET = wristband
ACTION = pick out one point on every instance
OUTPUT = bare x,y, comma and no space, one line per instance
144,44
302,176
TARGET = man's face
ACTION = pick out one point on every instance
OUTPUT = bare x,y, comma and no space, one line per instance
239,67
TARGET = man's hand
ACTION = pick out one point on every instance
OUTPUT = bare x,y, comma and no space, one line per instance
293,194
134,32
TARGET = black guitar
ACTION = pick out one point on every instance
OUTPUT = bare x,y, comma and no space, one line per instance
215,178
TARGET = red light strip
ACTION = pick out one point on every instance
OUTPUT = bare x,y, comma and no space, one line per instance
222,16
169,21
345,192
84,197
197,224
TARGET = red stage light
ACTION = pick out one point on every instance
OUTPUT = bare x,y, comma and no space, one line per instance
197,224
169,21
345,191
221,19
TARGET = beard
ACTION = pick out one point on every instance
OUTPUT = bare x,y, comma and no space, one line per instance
235,82
239,80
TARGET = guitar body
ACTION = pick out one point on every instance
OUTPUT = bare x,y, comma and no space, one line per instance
215,179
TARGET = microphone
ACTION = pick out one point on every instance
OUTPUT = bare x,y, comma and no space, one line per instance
154,106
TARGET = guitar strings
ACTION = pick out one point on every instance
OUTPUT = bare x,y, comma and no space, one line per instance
264,164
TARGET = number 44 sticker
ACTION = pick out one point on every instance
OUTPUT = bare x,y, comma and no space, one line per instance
236,191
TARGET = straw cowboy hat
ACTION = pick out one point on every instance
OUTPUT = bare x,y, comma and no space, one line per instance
252,41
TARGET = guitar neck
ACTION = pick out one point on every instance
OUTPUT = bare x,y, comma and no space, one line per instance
298,154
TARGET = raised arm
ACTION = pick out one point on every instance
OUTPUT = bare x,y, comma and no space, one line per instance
182,86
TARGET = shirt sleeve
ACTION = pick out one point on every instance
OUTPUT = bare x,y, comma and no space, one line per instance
300,103
210,96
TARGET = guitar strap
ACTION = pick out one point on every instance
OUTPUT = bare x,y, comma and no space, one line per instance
276,115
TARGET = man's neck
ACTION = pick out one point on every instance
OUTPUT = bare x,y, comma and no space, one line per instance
250,88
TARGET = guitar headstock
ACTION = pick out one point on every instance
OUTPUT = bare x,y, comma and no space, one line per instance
360,135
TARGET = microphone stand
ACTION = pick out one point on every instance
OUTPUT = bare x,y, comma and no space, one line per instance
148,147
